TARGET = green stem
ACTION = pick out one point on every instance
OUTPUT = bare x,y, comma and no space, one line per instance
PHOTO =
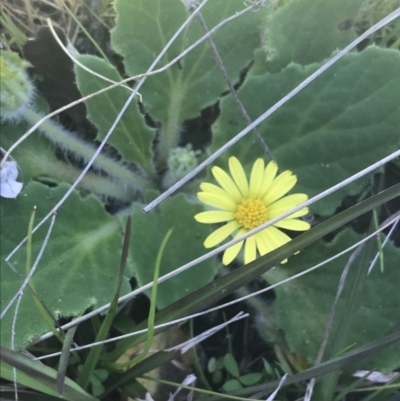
171,130
96,183
152,312
50,166
196,362
67,140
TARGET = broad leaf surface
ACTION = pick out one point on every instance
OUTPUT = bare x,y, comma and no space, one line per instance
307,31
303,305
132,137
345,120
78,268
143,28
184,245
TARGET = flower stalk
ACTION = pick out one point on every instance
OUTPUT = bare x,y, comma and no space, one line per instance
68,141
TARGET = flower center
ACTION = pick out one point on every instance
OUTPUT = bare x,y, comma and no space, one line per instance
251,213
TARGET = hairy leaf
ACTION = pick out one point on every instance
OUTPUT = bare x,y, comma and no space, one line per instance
345,120
307,31
78,267
143,28
185,244
132,137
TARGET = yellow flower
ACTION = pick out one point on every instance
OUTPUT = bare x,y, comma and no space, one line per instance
245,205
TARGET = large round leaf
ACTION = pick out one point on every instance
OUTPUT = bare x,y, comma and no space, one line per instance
78,267
345,120
185,244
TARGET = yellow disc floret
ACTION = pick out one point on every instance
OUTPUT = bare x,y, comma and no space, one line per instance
251,213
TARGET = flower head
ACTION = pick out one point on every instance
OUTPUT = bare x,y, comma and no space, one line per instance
180,162
244,205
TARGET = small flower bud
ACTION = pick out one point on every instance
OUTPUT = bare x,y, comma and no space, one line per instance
180,162
16,90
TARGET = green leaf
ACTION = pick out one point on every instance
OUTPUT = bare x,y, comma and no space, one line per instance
303,304
345,120
231,365
79,263
184,245
323,27
268,368
36,375
212,365
132,137
217,377
144,27
250,378
232,385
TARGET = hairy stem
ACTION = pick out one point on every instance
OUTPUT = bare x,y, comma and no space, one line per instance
68,141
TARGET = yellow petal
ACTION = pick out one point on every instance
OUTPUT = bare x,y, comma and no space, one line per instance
256,178
281,186
282,238
250,249
268,177
300,213
239,176
288,202
293,224
207,187
226,183
274,237
220,234
214,216
219,201
231,253
262,245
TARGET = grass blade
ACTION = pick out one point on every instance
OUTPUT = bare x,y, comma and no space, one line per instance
35,375
95,352
63,363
